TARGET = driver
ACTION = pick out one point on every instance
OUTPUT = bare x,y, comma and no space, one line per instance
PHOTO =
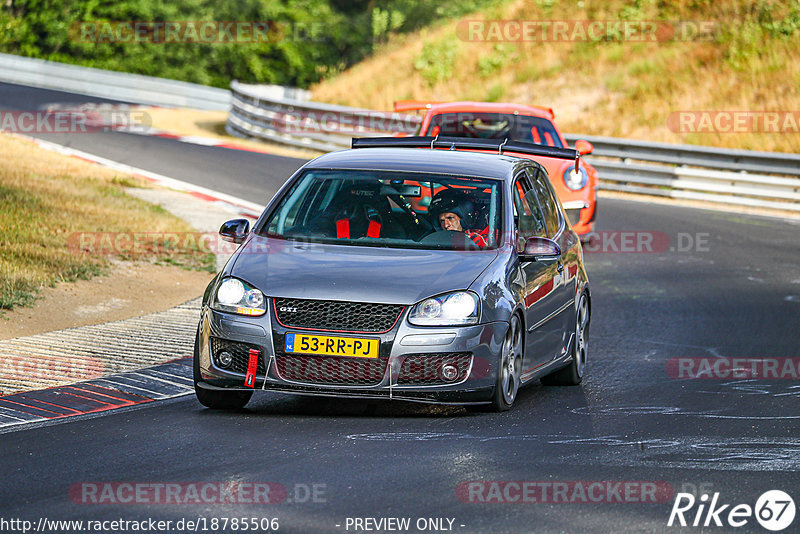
450,214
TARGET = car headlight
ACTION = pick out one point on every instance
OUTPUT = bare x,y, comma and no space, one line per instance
236,296
575,180
452,309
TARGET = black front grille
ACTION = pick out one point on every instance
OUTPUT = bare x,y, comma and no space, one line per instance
333,315
426,369
240,353
331,370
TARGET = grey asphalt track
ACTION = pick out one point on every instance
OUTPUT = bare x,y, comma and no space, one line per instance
730,287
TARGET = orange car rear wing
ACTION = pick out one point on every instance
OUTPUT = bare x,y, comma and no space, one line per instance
413,105
546,110
469,143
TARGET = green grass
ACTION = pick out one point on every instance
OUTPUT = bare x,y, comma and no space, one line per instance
496,92
47,200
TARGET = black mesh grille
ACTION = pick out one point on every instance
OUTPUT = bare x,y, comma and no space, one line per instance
331,369
426,369
240,352
332,315
574,215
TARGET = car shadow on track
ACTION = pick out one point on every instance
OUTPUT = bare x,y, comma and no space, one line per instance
531,398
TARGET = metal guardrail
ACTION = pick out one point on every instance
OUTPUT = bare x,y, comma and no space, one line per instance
741,177
109,84
694,155
127,87
306,124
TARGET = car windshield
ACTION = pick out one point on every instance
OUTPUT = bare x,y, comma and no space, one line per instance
389,209
496,126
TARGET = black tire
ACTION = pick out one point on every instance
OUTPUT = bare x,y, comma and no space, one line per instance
509,370
572,374
219,400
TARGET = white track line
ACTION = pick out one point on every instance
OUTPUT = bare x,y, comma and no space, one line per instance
251,209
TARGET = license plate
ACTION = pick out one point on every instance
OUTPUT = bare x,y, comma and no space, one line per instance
352,347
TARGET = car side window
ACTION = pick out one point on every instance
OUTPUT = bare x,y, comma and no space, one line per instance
528,215
546,201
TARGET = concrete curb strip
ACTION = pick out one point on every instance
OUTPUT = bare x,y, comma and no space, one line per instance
165,381
91,352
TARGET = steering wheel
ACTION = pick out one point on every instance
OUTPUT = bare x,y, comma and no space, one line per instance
449,239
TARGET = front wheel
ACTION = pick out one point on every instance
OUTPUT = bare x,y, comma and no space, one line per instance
509,372
220,400
572,374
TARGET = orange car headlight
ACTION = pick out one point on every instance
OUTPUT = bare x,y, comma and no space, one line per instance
575,180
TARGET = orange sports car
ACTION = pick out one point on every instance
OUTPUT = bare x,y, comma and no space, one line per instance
577,191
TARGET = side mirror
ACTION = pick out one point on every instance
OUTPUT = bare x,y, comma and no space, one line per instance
540,248
584,147
234,231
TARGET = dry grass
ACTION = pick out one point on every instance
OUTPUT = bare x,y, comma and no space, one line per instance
46,197
614,88
201,123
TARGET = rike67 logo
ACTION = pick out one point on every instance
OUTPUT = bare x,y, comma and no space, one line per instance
774,510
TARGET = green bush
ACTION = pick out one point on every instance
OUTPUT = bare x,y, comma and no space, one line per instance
313,39
436,61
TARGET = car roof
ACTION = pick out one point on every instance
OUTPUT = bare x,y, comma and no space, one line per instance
490,107
424,160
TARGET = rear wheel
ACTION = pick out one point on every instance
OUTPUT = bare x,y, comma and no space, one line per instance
510,371
572,374
220,400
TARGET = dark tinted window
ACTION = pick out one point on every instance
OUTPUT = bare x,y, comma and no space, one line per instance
495,126
530,221
391,209
546,200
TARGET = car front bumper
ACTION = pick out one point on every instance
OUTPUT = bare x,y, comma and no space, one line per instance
581,215
411,361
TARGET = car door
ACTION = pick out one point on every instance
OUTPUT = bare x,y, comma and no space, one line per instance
539,280
566,265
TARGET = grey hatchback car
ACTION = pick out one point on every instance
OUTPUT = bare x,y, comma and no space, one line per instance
396,270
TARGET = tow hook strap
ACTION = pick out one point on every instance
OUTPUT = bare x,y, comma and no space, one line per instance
252,366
